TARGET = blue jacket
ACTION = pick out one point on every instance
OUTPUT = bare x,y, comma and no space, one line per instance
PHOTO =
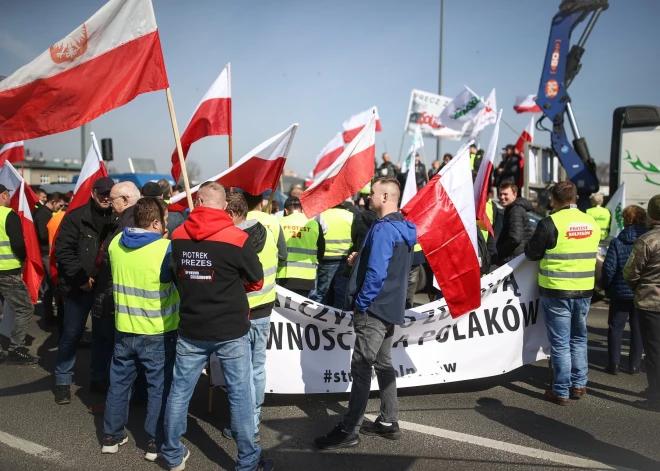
379,279
617,255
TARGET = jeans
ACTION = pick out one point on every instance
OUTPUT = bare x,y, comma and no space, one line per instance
47,288
566,322
103,340
331,284
373,348
75,317
259,331
156,355
649,321
620,311
234,356
14,291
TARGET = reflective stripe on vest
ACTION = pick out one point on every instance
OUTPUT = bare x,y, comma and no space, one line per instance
338,238
570,266
143,305
268,259
269,221
603,219
8,260
301,236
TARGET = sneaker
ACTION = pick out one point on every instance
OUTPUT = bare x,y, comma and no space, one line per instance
337,438
226,432
111,444
552,397
377,429
62,394
181,466
21,356
152,451
266,464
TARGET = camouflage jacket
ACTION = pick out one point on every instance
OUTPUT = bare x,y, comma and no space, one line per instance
642,271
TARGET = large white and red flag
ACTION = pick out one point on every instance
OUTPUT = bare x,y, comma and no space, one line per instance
93,168
357,122
22,201
212,117
259,170
348,175
328,155
482,181
527,136
526,104
103,64
444,214
12,152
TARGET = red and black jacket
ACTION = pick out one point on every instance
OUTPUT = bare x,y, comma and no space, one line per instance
215,265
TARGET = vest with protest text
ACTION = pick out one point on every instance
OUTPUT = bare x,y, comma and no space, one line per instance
301,236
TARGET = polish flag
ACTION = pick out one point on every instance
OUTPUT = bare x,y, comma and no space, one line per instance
92,170
22,201
105,63
450,247
481,183
259,170
357,122
12,152
526,136
526,104
212,117
328,155
349,174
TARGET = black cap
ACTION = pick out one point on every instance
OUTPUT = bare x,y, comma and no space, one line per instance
103,185
509,146
653,208
292,201
152,189
3,188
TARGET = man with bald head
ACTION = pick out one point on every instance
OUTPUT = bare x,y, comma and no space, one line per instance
215,264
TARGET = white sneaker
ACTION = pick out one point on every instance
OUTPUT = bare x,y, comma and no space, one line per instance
111,444
182,465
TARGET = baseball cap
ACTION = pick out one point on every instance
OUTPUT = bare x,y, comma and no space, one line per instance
3,188
509,146
152,189
292,201
103,185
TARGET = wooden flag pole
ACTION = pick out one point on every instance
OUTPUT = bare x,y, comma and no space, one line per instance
270,201
177,139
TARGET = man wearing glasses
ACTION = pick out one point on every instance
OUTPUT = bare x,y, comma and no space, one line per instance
81,234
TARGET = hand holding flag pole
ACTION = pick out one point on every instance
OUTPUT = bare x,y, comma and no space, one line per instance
179,150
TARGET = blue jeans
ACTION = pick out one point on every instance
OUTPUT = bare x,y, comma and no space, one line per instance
235,360
75,317
259,331
566,322
156,355
331,284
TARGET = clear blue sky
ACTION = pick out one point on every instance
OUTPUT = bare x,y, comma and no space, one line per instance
317,63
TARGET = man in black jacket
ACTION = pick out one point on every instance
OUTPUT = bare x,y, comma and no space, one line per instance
77,251
387,169
516,228
509,168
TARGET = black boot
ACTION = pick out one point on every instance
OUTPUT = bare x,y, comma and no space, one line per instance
21,356
337,438
377,429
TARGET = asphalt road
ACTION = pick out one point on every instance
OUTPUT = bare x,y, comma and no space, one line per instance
498,423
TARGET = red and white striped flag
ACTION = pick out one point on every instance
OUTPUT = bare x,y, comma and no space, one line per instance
526,136
22,200
450,246
212,117
92,169
481,183
348,175
259,170
103,64
357,122
526,104
12,152
328,155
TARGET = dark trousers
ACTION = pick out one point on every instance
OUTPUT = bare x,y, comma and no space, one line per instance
649,322
622,310
47,289
15,292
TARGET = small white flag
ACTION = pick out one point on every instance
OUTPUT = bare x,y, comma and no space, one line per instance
487,116
463,109
615,205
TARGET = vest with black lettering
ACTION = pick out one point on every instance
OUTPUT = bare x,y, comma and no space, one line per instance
338,238
143,305
301,236
269,221
268,259
8,261
603,219
568,270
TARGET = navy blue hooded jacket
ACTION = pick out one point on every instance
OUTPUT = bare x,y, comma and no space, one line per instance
379,279
617,255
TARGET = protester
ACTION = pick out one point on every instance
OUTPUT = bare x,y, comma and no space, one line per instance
43,197
473,157
387,168
566,243
151,189
261,302
176,218
12,287
176,189
42,216
622,306
296,191
215,264
376,294
516,228
146,311
477,160
435,169
445,160
256,209
509,168
642,273
305,245
77,247
420,173
600,214
274,208
53,226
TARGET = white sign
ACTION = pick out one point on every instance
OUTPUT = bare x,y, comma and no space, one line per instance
424,114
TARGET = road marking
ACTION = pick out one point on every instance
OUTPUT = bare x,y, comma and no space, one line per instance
31,448
508,447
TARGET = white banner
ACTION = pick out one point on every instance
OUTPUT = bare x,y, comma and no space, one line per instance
424,114
310,345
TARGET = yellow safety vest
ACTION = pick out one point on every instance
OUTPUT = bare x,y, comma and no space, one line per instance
270,222
603,219
489,214
571,265
143,305
301,236
366,190
338,238
8,261
473,157
268,259
417,248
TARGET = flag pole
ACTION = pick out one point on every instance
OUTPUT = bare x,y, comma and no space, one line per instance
426,173
230,140
177,139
